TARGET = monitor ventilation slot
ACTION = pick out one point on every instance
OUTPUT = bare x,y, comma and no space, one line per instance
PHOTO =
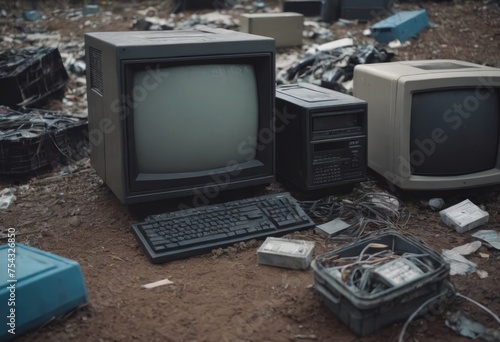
95,61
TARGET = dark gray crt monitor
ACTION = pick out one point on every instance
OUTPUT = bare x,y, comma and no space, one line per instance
180,113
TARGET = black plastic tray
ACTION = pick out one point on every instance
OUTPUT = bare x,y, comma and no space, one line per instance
29,77
367,313
27,145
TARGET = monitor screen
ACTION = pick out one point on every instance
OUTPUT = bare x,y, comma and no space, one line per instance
209,111
450,135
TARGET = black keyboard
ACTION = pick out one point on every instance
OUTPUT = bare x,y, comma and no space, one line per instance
189,232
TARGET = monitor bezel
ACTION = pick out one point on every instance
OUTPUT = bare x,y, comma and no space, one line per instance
400,157
143,185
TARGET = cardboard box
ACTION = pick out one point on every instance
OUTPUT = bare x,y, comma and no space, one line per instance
286,28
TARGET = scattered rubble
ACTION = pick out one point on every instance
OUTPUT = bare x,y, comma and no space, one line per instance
466,326
458,263
6,198
436,204
156,284
333,68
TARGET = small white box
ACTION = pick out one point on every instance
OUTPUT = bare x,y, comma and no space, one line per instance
332,228
285,27
288,253
464,216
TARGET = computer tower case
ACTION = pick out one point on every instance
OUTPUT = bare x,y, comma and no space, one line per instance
308,8
320,137
365,10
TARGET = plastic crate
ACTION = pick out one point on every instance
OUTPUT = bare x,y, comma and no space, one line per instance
53,139
366,313
29,77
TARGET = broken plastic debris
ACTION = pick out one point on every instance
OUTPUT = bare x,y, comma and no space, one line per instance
332,228
490,236
157,283
284,61
482,274
466,326
149,12
68,169
336,44
333,68
397,44
78,67
484,255
339,43
152,24
468,248
259,4
436,203
459,265
6,198
385,201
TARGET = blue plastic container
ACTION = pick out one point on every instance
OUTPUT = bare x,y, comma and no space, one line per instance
31,15
39,287
401,26
90,9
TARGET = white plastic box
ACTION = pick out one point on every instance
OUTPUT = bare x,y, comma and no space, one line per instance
287,253
464,216
286,27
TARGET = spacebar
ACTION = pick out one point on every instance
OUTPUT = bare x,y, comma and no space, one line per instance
208,238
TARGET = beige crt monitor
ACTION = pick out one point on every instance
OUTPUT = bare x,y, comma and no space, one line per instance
432,124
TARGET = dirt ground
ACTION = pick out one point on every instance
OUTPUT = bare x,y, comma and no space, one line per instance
225,295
